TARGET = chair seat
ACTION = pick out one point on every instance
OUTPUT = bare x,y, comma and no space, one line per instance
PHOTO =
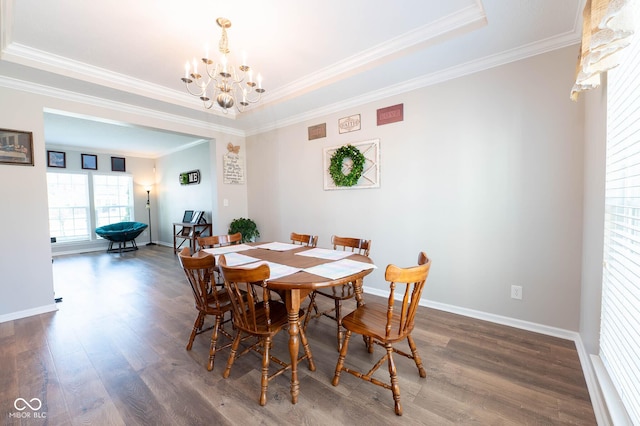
278,314
371,320
223,300
121,231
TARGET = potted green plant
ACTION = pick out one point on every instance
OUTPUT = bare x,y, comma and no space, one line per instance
246,227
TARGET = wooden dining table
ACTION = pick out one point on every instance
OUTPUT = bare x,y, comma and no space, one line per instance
295,287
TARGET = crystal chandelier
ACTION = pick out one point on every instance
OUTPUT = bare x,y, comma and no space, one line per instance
223,84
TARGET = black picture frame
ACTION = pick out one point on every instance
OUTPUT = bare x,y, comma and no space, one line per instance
16,147
57,159
118,164
89,161
187,216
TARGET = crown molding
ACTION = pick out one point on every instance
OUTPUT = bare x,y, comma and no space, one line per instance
465,20
533,49
121,107
38,59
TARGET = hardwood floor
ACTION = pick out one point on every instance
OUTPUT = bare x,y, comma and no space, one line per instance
114,354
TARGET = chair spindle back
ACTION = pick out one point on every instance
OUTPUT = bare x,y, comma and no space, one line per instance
356,245
243,285
413,280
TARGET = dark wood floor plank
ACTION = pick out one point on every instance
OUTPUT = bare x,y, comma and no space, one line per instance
114,354
87,399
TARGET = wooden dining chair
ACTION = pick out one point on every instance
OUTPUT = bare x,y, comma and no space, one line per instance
209,299
256,314
214,241
387,324
304,239
337,293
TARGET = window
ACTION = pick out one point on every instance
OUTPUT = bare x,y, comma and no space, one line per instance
620,319
68,206
113,199
81,202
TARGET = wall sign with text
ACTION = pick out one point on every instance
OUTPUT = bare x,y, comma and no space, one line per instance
233,165
390,114
349,124
190,178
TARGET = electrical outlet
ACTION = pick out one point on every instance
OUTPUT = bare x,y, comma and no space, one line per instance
516,292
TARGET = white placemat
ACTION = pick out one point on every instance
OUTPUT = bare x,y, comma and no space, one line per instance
228,249
322,253
339,269
278,246
235,259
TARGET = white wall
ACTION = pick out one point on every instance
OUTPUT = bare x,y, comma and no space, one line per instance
209,195
485,174
174,198
26,281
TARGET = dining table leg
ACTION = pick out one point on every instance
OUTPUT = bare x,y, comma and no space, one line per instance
357,289
293,300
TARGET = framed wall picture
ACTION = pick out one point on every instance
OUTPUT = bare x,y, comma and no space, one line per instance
56,159
118,164
89,162
16,147
369,176
186,217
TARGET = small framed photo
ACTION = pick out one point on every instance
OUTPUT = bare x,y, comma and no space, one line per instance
118,164
56,159
89,162
186,217
16,147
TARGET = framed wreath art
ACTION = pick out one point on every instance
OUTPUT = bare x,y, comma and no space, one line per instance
337,162
352,166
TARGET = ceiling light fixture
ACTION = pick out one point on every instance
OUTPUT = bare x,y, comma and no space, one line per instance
223,85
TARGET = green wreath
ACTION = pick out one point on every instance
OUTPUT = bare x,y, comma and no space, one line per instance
338,157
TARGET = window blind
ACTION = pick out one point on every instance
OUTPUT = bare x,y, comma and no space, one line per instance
620,320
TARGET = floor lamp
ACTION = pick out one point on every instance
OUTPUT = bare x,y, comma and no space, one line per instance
150,243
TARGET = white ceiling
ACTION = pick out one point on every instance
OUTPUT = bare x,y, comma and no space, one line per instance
315,57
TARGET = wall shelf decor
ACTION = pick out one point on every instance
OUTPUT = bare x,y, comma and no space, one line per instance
370,176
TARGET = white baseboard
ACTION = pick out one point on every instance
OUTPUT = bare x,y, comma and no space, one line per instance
597,400
69,249
28,313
